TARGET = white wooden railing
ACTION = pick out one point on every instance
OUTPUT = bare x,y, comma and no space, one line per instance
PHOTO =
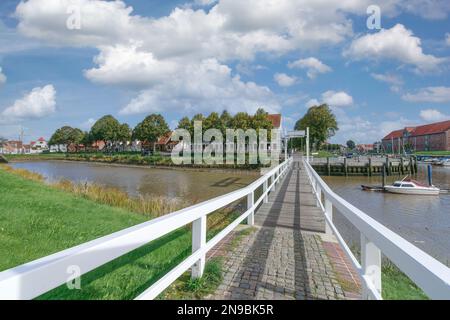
428,273
40,276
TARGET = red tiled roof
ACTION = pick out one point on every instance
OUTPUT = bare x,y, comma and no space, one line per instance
275,119
431,128
394,134
164,139
41,139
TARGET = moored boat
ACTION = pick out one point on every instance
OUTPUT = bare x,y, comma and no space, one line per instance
409,186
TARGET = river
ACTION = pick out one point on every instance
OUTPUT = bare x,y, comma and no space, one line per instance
192,185
422,220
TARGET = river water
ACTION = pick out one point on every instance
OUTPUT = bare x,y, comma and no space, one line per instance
422,220
194,186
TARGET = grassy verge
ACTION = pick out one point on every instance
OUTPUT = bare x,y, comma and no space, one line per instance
397,286
433,153
37,220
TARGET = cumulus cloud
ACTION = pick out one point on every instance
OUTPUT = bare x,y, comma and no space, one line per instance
312,65
433,115
284,80
206,86
397,43
312,102
337,99
429,94
2,77
87,125
38,103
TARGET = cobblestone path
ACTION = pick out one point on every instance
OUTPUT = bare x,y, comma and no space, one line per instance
283,258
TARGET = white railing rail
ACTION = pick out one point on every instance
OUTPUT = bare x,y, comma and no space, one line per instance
430,275
32,279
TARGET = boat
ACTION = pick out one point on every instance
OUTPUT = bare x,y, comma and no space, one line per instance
409,186
372,188
444,163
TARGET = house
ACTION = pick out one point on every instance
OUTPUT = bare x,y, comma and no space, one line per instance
429,137
165,144
40,144
13,147
364,148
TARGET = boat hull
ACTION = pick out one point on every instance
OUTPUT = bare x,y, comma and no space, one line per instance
413,191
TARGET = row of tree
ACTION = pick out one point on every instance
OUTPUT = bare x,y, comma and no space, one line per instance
113,133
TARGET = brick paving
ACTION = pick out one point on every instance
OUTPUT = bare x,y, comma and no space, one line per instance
286,257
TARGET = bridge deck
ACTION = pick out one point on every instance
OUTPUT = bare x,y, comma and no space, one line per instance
286,257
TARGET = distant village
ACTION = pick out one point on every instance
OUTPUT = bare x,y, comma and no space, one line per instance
429,137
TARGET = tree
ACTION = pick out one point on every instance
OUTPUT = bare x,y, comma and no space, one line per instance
241,121
151,129
261,121
351,144
67,136
226,121
321,122
213,121
109,130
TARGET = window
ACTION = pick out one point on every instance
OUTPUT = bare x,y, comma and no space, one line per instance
407,185
397,184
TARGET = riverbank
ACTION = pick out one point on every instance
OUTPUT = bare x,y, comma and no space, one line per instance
37,220
134,161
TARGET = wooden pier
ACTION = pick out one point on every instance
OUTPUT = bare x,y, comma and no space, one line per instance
365,167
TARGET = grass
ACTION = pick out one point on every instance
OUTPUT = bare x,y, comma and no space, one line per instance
432,153
37,220
397,286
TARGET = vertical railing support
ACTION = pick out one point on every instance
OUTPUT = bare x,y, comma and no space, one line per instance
319,194
198,241
250,203
265,186
329,213
371,265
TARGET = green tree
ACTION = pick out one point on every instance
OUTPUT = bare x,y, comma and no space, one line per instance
350,144
321,122
241,120
106,129
261,121
151,129
212,121
67,136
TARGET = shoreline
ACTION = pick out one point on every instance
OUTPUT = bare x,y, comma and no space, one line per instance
255,172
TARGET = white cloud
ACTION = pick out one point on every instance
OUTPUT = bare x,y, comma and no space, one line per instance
428,9
447,39
337,99
433,115
127,65
284,80
36,104
206,86
312,65
429,94
397,43
2,77
396,82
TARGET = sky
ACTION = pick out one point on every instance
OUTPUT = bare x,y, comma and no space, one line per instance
69,62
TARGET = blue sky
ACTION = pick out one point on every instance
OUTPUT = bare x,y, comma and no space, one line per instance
180,58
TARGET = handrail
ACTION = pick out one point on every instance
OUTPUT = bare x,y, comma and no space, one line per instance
37,277
428,273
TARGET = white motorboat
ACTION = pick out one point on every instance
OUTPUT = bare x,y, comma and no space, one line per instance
409,186
444,163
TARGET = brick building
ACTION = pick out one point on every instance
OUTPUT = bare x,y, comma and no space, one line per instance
429,137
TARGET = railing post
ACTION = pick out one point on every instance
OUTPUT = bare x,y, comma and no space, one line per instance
329,213
265,186
198,241
250,203
371,265
319,194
